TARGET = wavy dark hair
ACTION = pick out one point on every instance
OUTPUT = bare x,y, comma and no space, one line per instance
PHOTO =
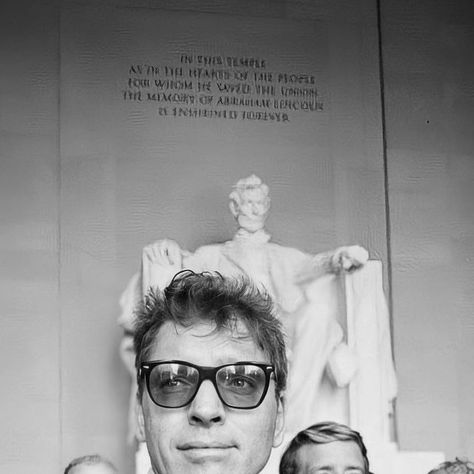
209,296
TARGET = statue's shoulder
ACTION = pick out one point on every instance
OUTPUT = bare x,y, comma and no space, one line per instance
283,250
204,256
209,249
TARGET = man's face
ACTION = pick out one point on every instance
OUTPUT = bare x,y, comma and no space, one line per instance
206,436
336,457
92,469
253,210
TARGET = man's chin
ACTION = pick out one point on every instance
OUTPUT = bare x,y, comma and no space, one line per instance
207,465
206,460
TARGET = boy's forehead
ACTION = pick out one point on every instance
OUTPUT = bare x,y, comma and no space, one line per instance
344,454
100,468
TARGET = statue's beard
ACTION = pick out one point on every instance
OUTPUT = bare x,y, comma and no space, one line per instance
251,224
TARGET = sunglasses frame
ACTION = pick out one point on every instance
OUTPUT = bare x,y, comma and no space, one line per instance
205,373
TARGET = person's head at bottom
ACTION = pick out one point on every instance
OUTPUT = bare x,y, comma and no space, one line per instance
211,371
90,464
458,466
326,448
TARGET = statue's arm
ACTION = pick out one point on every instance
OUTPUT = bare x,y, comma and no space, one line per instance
128,302
342,259
163,252
348,258
161,260
127,353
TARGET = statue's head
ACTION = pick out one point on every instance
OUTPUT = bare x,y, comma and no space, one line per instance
250,203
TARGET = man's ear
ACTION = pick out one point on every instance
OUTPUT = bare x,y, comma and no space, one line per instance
279,422
140,421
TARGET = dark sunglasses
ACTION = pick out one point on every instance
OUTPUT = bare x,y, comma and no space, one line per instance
175,383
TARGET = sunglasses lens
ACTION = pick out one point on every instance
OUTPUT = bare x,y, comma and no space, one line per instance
241,386
173,385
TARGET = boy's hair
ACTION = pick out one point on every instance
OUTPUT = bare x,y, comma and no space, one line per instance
457,466
320,433
89,460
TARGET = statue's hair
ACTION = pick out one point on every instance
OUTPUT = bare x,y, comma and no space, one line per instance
89,460
244,184
320,433
224,302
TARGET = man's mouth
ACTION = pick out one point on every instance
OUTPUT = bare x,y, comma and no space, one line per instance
205,445
197,452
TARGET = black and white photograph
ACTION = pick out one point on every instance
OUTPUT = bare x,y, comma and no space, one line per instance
237,237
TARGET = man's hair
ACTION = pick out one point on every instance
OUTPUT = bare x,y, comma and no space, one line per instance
89,460
225,302
320,433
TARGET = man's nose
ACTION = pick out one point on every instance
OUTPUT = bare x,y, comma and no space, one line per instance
206,408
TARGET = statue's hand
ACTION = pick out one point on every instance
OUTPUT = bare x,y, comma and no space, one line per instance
348,259
164,252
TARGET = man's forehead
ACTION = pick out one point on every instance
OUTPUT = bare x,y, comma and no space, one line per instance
234,332
205,344
236,329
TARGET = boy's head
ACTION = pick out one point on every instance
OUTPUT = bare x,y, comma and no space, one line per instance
90,464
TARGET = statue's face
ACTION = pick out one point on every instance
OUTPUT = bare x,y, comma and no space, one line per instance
253,210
